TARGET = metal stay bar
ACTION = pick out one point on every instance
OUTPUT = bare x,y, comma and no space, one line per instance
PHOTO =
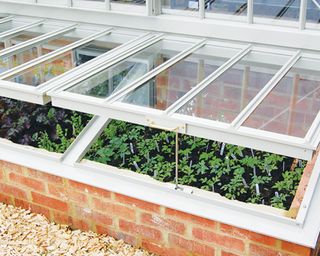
51,35
93,66
53,54
207,81
20,29
253,104
143,79
6,19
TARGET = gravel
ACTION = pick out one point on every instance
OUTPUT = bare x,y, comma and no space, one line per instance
25,233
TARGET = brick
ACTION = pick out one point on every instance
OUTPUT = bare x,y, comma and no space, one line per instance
191,246
102,218
67,194
189,217
74,223
62,218
80,224
137,203
219,239
32,207
44,176
257,250
28,182
6,199
49,202
112,209
7,166
125,237
245,234
140,230
223,253
294,248
92,216
158,221
89,189
13,191
155,248
102,229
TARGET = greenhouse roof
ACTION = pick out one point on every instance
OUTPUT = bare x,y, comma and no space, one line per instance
252,95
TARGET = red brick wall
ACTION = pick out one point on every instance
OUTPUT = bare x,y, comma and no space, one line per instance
156,228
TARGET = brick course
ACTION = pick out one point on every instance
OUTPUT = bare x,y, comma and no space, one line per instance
156,228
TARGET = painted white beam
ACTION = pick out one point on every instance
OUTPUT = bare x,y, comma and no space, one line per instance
250,11
303,14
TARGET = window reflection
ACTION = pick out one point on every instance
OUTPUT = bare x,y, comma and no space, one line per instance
164,89
180,4
293,104
234,7
63,63
229,94
138,2
277,9
125,72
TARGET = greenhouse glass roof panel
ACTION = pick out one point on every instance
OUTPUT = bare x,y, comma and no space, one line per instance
292,106
167,87
40,61
120,75
42,73
224,98
16,58
25,35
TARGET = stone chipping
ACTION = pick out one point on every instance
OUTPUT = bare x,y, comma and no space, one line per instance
25,233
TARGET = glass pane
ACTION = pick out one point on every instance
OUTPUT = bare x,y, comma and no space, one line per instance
7,26
37,51
190,5
65,62
170,85
291,107
313,11
125,72
138,2
230,93
235,7
277,9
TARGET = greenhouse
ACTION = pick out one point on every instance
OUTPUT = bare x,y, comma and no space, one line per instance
208,108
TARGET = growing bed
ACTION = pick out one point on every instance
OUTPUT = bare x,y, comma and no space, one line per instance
235,172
